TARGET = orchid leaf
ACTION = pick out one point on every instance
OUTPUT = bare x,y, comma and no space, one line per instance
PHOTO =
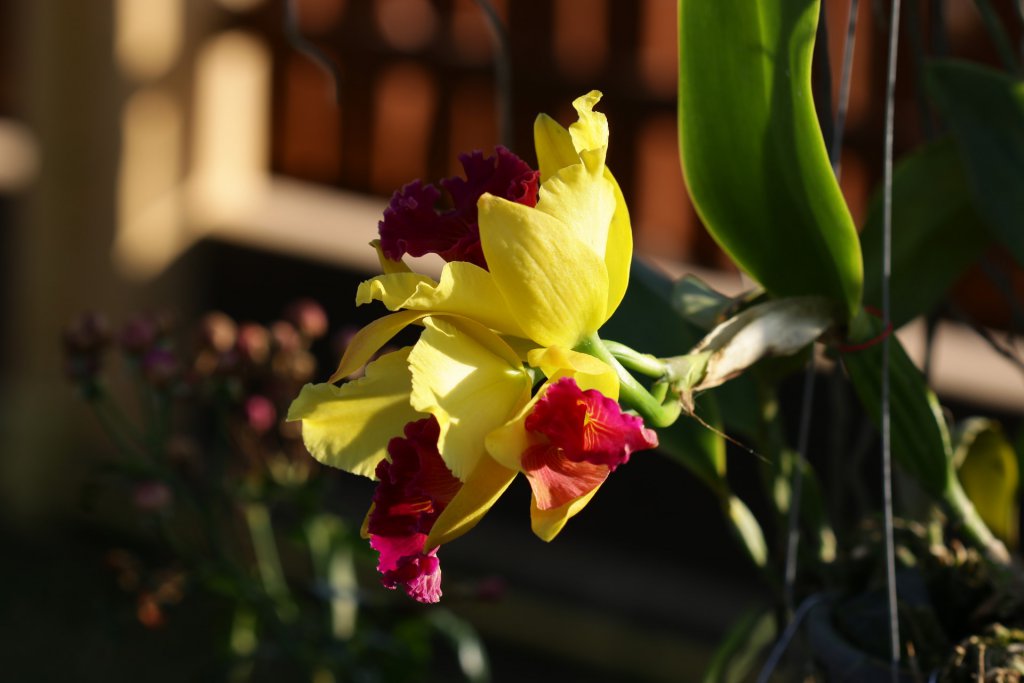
753,155
740,651
920,437
987,468
985,112
937,232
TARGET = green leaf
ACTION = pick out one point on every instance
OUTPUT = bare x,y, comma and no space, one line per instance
937,233
739,652
985,112
753,155
987,469
920,437
747,529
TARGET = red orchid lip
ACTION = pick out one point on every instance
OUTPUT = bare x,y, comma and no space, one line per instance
415,487
586,436
412,224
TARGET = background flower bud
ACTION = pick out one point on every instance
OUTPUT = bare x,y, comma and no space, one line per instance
308,317
217,332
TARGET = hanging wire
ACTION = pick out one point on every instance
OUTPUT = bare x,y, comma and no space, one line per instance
293,33
890,545
502,72
796,488
845,78
779,649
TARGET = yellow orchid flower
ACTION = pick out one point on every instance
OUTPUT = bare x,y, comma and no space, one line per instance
541,280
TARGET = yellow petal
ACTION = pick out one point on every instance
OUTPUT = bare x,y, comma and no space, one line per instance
386,264
558,148
471,381
555,149
370,339
589,372
488,481
507,443
619,252
590,133
555,284
547,523
464,289
349,426
583,201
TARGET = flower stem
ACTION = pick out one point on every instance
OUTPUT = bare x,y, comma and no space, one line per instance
268,561
632,394
633,360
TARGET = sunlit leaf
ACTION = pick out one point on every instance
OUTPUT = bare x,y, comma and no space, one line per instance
753,155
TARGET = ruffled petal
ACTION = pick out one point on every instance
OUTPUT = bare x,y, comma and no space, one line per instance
590,132
547,523
471,381
507,443
349,426
412,225
479,492
587,426
464,289
555,479
556,286
414,489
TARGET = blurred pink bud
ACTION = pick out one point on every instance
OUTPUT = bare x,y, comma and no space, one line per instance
149,612
217,331
160,366
138,335
88,332
286,337
253,343
260,413
308,317
151,496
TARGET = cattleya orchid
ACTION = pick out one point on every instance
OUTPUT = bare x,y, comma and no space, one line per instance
531,275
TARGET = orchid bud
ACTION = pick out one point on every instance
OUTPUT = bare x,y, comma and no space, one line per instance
217,331
253,343
308,317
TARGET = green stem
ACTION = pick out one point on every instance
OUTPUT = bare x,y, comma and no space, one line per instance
634,361
631,393
116,428
268,561
998,34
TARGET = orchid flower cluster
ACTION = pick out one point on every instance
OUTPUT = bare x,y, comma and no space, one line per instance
508,375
